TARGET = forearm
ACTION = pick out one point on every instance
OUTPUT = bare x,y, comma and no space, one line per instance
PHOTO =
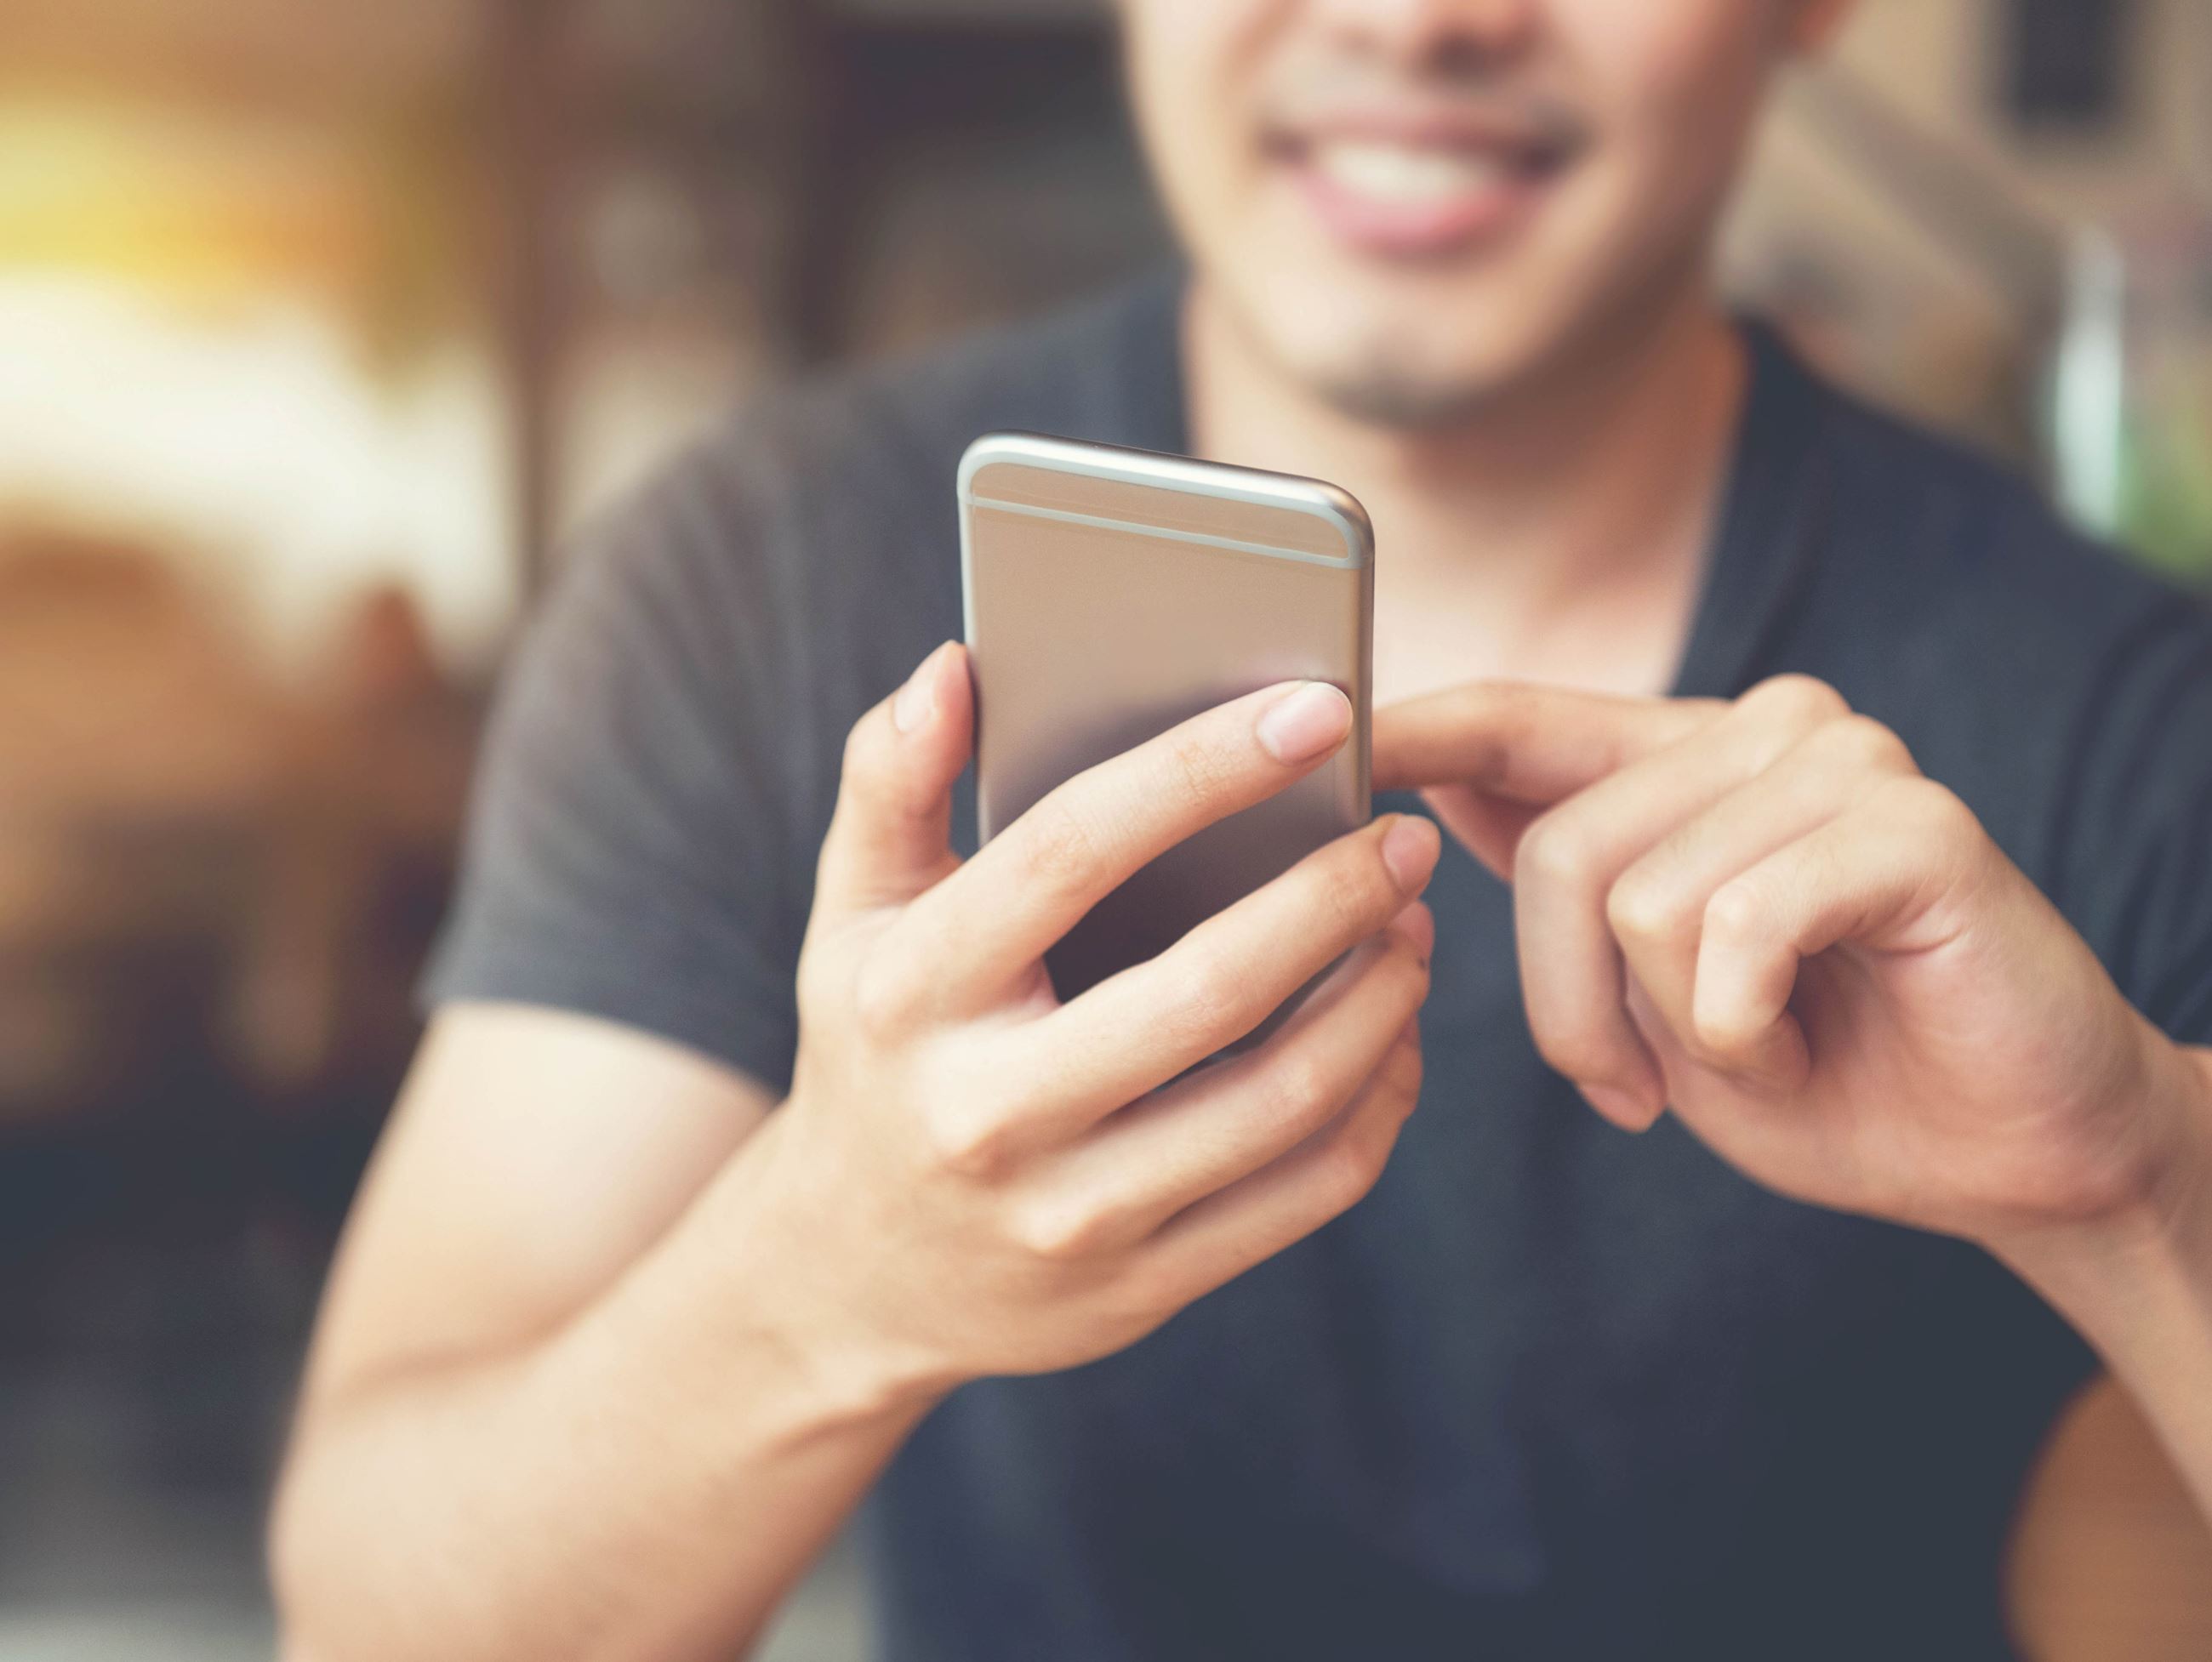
2138,1287
647,1483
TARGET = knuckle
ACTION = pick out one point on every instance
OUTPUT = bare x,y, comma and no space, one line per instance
1205,996
1057,1231
1554,851
1358,892
1293,1090
887,997
1644,905
1795,700
1352,1164
1860,741
1195,765
1322,891
1935,811
1059,848
968,1143
1735,909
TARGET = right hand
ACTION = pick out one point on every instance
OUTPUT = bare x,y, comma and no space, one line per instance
970,1178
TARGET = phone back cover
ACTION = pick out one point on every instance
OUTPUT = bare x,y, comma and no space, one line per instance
1090,632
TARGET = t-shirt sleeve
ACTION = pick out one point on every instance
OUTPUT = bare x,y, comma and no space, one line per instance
2139,840
628,852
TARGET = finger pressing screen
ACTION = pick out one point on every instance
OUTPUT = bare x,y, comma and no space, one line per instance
1526,743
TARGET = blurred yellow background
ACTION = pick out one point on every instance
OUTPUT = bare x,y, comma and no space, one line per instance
319,326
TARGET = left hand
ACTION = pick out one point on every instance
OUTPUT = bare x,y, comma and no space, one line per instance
1761,913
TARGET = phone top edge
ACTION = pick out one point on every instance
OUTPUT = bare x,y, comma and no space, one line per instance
1166,533
1125,465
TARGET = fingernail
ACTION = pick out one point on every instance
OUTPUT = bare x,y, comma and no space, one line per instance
1417,926
1308,723
1410,848
1625,1109
917,700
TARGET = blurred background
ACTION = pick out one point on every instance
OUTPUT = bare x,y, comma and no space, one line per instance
320,325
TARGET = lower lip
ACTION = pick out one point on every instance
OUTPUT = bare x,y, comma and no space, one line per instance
1407,230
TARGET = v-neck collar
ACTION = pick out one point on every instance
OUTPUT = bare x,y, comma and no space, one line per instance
1765,536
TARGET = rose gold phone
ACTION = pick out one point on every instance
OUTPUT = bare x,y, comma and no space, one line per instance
1112,594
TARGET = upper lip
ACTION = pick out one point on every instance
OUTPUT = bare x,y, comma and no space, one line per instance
1528,139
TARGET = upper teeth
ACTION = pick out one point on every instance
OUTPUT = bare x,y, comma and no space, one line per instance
1406,173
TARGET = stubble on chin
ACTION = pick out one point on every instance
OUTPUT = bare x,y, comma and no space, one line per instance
1382,378
1384,389
1389,380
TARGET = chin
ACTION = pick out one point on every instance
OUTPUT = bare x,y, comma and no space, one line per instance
1392,394
1403,362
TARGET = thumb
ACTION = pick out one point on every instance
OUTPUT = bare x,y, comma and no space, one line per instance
891,835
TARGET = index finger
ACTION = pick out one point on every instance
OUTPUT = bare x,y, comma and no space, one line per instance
1523,742
993,918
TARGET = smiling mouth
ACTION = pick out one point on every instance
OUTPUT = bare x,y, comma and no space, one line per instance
1421,194
1409,174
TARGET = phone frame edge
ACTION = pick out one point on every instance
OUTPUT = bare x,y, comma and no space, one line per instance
1144,467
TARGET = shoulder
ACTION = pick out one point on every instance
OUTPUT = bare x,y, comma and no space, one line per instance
1940,518
2063,691
1970,591
1068,368
827,506
883,439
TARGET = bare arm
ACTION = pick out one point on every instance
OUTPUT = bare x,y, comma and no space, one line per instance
520,1432
1760,917
2137,1281
611,1350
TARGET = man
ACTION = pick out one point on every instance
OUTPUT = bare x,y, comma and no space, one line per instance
731,1187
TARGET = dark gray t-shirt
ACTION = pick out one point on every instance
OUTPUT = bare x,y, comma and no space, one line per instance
1551,1391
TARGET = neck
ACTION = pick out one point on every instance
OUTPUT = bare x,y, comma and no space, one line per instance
1557,532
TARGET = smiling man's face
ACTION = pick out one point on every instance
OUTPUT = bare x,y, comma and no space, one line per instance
1414,206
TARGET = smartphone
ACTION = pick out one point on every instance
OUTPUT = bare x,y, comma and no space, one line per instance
1112,594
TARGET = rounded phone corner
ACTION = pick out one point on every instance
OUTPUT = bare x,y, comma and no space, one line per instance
1350,515
988,449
